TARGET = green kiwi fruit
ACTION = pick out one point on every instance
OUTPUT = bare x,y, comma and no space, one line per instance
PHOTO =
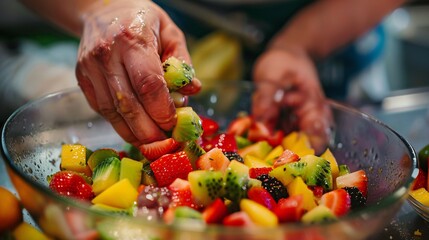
105,174
188,126
177,73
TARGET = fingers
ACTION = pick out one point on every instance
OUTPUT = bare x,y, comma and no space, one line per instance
145,72
173,43
98,95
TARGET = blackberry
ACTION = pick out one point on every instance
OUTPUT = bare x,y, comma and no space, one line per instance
273,186
358,200
233,156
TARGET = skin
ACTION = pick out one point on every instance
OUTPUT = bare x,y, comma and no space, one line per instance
119,69
286,70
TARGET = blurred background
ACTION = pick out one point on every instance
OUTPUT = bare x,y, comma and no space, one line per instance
224,38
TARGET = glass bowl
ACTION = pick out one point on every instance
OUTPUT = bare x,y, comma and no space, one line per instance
421,209
33,135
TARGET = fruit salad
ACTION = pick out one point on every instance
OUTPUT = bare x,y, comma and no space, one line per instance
420,186
245,175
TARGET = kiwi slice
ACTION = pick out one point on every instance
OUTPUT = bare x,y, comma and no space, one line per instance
236,181
99,155
177,73
105,174
206,185
193,150
318,172
289,171
343,169
188,126
318,214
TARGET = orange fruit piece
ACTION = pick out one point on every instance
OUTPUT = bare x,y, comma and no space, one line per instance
10,210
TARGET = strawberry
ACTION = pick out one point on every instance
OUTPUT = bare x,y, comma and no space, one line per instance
210,126
286,157
155,150
289,209
337,200
239,126
122,154
181,194
354,179
225,142
171,166
262,196
215,212
259,131
256,172
420,181
71,184
237,219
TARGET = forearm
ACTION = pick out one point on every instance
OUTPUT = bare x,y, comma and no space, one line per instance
327,25
67,14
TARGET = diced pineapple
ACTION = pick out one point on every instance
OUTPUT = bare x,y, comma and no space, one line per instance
421,195
255,162
132,170
73,158
302,146
122,194
258,213
290,140
298,187
274,154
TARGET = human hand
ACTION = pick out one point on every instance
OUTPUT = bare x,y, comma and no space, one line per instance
287,83
120,71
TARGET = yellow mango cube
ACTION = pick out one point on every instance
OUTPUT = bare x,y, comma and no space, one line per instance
302,146
25,231
73,158
274,155
122,194
258,213
255,162
298,187
333,161
421,195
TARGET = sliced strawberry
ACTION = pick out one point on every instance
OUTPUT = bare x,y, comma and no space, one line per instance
225,142
354,179
276,138
286,157
258,131
239,126
238,219
155,150
181,194
171,166
210,126
262,196
213,160
215,212
289,209
421,180
256,172
71,184
338,200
